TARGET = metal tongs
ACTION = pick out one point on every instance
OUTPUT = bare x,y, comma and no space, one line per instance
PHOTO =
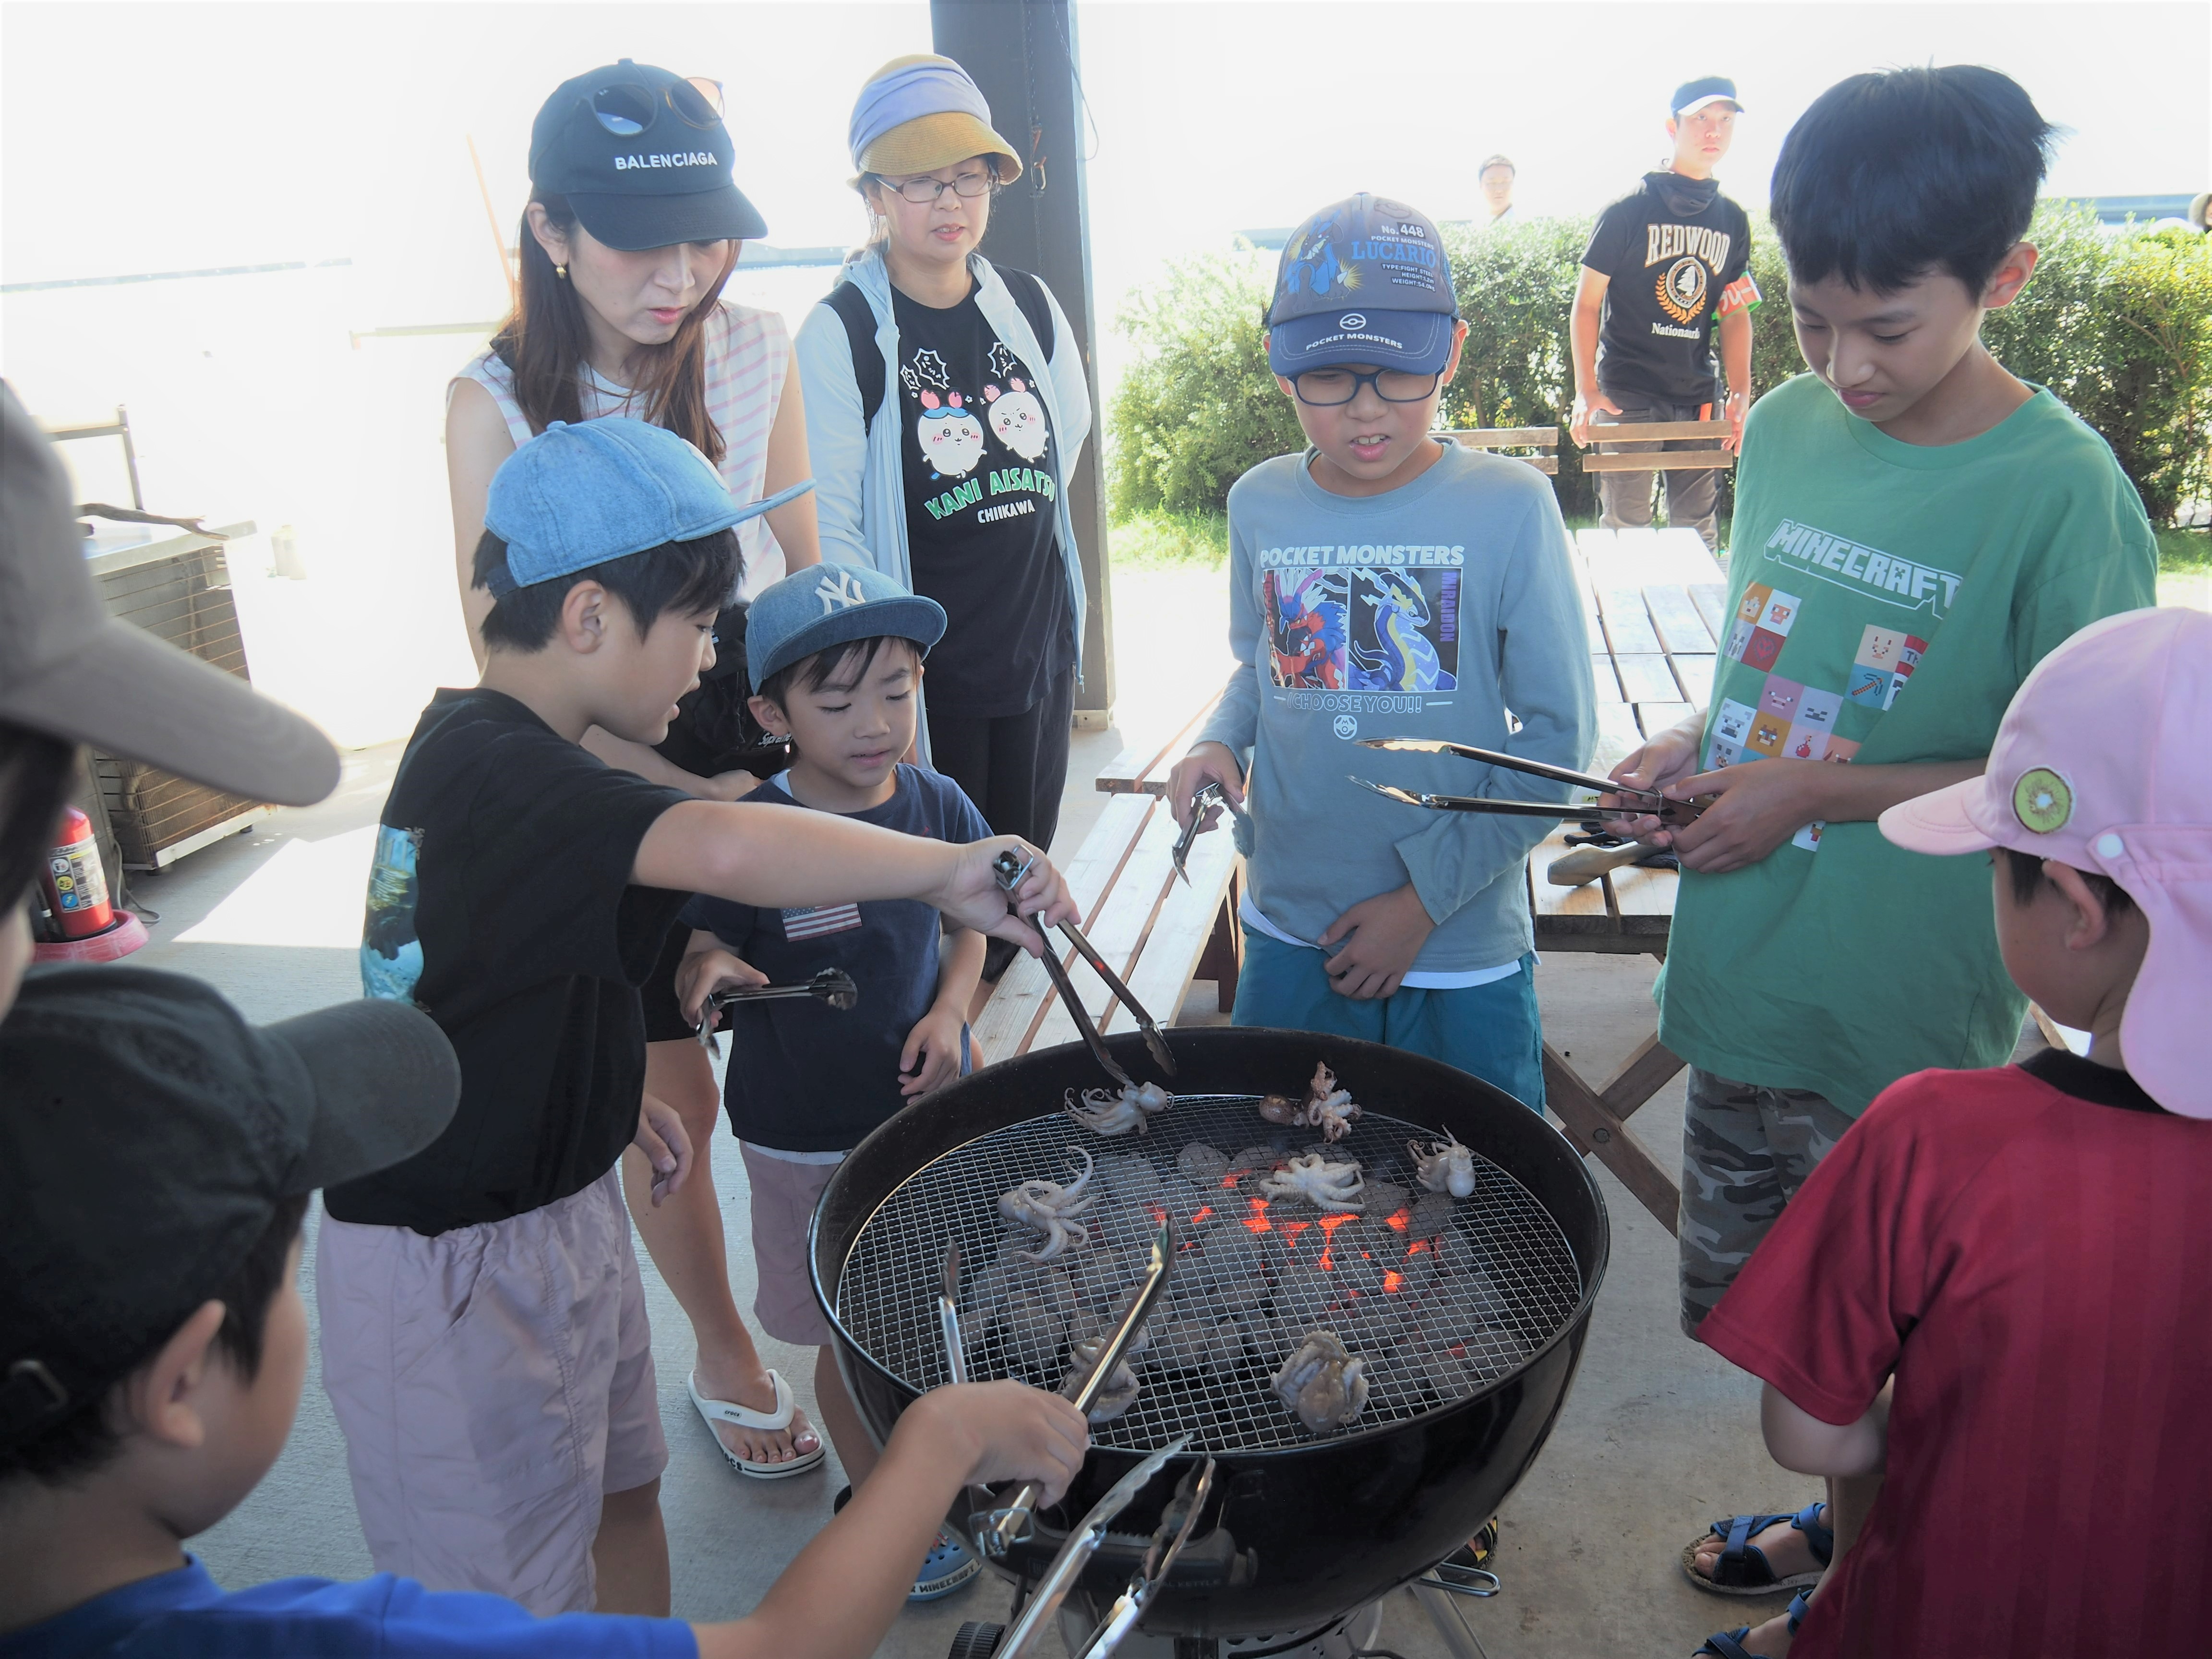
1191,1495
1012,871
832,984
1208,796
999,1528
1650,802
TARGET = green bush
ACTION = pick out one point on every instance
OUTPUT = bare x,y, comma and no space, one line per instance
2119,327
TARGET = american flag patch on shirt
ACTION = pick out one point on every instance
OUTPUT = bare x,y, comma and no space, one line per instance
817,920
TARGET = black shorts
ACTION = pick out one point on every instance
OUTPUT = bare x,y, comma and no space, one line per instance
664,1020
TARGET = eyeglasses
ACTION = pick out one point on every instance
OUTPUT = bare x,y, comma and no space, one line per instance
924,193
1327,388
627,108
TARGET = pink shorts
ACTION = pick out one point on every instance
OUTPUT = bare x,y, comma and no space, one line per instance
493,1383
784,1197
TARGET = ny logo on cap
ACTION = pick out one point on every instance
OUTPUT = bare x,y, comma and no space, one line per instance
841,592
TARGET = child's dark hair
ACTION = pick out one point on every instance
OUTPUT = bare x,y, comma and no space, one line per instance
841,667
1891,175
86,1438
2028,879
35,773
686,577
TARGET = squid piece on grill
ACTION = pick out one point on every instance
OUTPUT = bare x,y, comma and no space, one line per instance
1121,1388
1322,1382
1106,1113
1332,1187
1444,1166
1326,1107
1051,1209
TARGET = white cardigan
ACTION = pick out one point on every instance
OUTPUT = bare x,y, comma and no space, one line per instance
860,482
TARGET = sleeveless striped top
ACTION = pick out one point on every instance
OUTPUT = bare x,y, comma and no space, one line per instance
748,356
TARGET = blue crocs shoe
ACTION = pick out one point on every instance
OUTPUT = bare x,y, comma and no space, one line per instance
944,1570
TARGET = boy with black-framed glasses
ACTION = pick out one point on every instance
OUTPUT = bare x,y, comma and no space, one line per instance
1385,583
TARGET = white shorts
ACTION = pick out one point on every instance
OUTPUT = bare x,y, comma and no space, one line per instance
493,1383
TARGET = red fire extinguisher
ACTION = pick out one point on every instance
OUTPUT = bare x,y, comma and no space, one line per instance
76,885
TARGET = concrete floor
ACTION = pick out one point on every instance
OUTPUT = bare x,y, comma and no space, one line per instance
1658,1437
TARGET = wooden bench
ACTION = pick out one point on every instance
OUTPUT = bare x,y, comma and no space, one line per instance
1157,933
1709,456
1539,437
1144,768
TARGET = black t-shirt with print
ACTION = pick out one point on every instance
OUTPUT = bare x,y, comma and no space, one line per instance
982,469
499,903
1669,247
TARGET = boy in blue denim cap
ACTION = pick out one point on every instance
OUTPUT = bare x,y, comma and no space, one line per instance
835,655
483,1333
1386,583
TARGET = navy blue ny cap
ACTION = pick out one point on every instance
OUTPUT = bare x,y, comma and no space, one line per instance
1693,95
578,495
643,156
831,605
1364,281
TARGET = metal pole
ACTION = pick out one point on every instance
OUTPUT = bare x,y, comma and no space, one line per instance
1023,55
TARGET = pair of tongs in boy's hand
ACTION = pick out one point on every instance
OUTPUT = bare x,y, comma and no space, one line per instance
1208,797
832,984
1011,873
1643,803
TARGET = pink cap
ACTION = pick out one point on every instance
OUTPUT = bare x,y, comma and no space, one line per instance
2104,762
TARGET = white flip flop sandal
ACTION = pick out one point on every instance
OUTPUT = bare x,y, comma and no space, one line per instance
712,1412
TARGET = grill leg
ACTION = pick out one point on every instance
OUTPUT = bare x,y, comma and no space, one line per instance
1442,1609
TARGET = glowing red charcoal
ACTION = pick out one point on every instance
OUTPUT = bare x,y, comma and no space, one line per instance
1328,1224
1257,1221
1393,1281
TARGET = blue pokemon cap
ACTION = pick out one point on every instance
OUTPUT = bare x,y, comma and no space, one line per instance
1364,281
579,495
832,604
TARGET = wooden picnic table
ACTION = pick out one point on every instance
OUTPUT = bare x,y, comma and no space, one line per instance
1653,601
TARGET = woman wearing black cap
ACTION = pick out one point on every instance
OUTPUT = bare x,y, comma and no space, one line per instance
633,226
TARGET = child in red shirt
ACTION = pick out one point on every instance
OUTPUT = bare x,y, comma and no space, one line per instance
1993,1291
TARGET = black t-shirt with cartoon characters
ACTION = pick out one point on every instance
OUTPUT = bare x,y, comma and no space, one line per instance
981,512
1669,247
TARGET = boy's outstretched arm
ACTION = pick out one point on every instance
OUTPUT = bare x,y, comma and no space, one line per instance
931,1057
781,857
842,1594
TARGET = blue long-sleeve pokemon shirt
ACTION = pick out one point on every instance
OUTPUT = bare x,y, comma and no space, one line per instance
1429,611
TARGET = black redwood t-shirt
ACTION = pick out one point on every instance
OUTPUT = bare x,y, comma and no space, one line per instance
499,903
982,492
1669,247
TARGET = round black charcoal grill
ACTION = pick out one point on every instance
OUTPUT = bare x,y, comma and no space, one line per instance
1437,1314
1471,1312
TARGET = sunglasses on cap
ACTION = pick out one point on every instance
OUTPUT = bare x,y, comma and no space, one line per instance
626,109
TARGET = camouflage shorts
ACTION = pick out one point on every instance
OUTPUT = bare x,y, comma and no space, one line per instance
1746,1150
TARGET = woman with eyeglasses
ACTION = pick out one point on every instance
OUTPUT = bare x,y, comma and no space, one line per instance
633,228
945,407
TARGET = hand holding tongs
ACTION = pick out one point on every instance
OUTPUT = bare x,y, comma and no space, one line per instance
1209,796
1010,871
997,1529
832,984
1650,802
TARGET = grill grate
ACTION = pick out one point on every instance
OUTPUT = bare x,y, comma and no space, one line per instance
1436,1318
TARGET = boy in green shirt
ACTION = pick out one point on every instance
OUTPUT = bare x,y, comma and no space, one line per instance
1915,529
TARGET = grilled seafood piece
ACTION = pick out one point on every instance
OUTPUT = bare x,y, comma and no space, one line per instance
1323,1383
1121,1388
1051,1209
1326,1107
1104,1113
1444,1166
1332,1187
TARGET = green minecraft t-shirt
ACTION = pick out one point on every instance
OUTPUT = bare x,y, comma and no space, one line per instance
1887,600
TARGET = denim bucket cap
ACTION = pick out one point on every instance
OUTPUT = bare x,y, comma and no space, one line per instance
579,495
829,604
1364,281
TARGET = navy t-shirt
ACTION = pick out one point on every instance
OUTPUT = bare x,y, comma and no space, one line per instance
184,1614
804,1076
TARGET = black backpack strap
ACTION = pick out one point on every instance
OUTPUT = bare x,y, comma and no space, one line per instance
869,370
1029,294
